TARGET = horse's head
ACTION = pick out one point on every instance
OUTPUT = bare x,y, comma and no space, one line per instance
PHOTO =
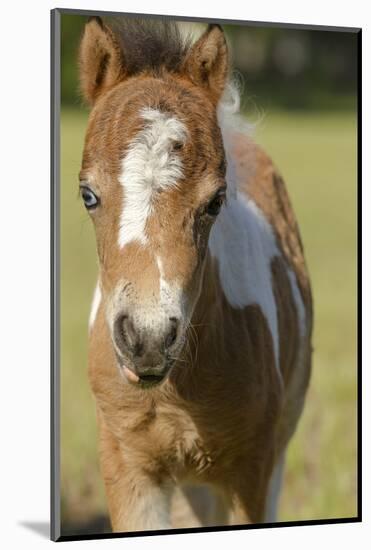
152,179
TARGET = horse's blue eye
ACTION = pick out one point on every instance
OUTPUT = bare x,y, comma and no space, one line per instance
89,198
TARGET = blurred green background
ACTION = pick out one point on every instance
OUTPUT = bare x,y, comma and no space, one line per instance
300,91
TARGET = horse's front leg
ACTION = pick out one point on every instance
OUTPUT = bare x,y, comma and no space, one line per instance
248,494
136,502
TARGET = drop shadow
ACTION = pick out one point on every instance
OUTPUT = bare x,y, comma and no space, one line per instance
42,528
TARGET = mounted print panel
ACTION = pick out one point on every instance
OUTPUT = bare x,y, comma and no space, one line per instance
204,208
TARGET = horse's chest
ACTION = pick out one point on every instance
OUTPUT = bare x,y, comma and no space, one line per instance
183,446
177,437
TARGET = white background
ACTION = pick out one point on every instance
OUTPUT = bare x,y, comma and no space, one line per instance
24,257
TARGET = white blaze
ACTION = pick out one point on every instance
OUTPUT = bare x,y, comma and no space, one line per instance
150,164
171,302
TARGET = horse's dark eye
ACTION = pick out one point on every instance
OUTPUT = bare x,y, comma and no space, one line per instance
89,198
177,145
214,206
223,167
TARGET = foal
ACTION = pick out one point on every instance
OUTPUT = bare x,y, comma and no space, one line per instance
200,328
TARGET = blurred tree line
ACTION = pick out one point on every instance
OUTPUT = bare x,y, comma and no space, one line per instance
280,68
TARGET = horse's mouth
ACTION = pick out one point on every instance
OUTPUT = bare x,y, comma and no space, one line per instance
144,378
151,379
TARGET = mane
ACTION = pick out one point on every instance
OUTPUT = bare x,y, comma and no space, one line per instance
230,121
151,44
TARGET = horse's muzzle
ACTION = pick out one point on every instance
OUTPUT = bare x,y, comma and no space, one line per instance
138,342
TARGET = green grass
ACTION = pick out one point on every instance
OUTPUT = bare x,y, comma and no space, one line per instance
316,153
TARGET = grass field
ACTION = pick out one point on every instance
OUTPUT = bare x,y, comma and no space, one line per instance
316,153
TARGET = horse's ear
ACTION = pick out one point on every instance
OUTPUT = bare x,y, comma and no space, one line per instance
100,58
207,63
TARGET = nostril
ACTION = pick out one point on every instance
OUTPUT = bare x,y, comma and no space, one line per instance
138,349
126,336
118,331
129,332
172,334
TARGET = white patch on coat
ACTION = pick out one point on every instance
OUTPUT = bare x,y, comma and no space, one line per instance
150,165
244,245
150,509
155,509
97,298
274,490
